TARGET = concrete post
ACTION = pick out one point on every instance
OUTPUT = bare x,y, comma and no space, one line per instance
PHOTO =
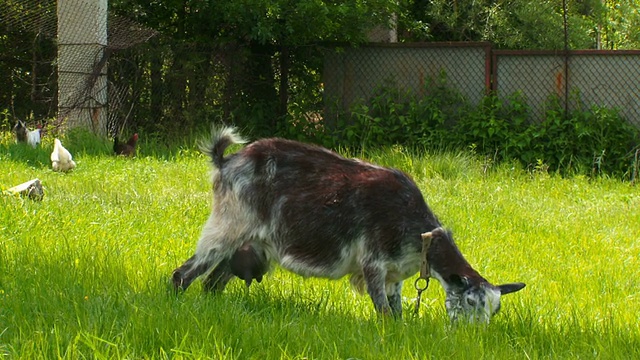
82,64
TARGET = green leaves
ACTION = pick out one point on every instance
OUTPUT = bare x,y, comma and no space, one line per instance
525,24
591,141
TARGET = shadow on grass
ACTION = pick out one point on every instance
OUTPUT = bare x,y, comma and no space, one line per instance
313,322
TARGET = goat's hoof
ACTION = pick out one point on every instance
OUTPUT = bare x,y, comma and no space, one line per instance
177,281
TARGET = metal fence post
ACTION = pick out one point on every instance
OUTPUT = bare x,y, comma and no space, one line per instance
82,70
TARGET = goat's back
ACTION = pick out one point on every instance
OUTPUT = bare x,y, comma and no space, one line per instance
321,208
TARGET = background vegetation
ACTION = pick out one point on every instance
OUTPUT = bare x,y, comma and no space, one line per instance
83,274
591,140
258,63
523,24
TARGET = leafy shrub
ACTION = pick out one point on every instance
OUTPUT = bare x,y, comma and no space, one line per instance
393,117
596,140
587,140
495,126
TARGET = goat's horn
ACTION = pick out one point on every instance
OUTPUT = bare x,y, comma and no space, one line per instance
427,235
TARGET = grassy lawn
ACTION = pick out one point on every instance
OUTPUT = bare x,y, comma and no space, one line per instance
84,273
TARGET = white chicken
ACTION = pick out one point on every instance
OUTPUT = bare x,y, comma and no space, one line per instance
33,136
61,159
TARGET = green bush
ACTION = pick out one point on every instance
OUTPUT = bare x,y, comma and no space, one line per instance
495,127
595,140
592,140
392,117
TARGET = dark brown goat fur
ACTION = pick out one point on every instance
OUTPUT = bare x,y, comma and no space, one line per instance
21,131
319,214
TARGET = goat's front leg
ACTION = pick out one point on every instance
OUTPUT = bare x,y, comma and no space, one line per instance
394,296
184,275
374,277
195,266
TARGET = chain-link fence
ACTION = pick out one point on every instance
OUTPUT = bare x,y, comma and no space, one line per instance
575,78
578,78
80,62
353,75
59,53
133,76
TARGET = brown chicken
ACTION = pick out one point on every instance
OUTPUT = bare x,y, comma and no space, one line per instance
126,149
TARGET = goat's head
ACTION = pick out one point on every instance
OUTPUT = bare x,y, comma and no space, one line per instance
469,297
473,301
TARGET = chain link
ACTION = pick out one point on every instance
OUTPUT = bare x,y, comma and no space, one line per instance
425,271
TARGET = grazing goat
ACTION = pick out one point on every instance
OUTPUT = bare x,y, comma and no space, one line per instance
32,137
20,129
319,214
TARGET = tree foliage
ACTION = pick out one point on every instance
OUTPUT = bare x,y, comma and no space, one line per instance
258,63
524,24
266,49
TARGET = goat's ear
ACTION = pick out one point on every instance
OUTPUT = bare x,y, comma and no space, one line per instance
510,288
439,231
459,281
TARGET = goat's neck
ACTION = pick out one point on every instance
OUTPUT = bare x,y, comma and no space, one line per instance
446,261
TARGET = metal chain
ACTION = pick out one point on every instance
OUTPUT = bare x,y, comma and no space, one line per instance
425,271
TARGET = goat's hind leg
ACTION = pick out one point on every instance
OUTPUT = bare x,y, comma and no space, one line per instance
184,275
213,247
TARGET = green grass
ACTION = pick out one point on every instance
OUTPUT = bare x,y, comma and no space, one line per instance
84,273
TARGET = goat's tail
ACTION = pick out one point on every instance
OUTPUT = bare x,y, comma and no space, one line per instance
221,139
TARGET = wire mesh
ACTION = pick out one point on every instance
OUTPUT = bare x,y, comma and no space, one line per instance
538,77
607,79
353,75
134,76
73,46
580,79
